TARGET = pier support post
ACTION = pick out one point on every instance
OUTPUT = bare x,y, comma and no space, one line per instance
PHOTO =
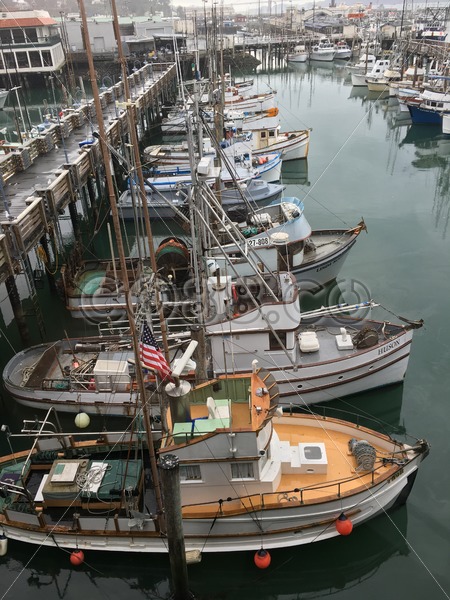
74,218
19,315
170,481
51,278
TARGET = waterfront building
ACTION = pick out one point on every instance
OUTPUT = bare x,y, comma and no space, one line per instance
30,47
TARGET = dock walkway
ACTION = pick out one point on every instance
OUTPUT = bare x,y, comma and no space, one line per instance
45,174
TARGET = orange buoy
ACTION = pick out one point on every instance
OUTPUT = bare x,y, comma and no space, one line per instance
262,559
77,558
343,525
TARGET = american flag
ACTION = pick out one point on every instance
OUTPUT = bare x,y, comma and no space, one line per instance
150,354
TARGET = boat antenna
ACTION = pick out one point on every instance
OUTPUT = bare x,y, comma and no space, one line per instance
121,252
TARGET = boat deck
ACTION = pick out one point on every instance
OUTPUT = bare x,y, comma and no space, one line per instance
333,476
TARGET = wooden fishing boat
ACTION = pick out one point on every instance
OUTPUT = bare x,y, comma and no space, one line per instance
250,476
314,356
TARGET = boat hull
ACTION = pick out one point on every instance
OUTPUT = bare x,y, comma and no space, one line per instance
321,376
282,528
422,116
254,515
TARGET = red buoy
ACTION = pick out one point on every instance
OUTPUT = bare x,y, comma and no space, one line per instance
262,559
77,558
343,525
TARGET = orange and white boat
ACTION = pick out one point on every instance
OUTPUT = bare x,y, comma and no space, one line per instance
250,476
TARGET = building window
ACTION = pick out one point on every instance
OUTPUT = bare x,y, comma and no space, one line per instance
31,34
19,36
22,60
190,473
35,59
47,58
242,470
9,60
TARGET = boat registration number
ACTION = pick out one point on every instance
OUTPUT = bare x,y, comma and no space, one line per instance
262,241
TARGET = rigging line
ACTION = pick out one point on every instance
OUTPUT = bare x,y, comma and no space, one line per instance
349,137
3,334
422,562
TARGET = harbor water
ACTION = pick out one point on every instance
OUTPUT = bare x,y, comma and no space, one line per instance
364,161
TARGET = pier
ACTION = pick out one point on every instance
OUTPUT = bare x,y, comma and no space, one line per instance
46,174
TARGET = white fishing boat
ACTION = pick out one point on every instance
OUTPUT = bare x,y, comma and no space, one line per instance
280,238
314,356
323,50
299,55
248,476
342,50
360,79
293,145
166,203
377,83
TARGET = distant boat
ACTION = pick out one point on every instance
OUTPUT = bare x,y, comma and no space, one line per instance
299,55
323,50
343,51
377,70
429,107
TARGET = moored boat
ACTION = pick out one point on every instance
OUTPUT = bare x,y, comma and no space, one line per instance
323,50
250,476
314,356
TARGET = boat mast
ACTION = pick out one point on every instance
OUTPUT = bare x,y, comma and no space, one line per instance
138,167
121,252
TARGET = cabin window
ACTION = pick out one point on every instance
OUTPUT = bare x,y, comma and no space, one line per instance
190,473
272,133
242,470
263,134
274,344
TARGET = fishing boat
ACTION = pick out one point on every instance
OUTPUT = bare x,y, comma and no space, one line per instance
381,83
314,356
251,477
242,163
257,141
279,237
165,198
93,288
323,50
343,50
428,107
299,55
360,79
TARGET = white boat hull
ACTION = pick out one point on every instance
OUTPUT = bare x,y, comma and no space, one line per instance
294,528
314,380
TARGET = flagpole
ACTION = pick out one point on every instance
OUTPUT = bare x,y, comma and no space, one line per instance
123,266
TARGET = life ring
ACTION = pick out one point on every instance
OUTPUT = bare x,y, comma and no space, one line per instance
91,385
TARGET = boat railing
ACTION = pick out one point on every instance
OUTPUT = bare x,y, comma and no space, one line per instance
296,496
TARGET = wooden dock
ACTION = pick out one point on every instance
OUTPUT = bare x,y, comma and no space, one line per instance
47,173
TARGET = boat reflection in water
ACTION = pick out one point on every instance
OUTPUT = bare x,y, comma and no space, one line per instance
315,570
295,172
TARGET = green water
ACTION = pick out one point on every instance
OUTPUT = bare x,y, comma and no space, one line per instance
362,162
